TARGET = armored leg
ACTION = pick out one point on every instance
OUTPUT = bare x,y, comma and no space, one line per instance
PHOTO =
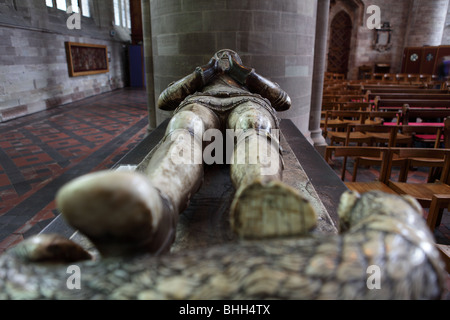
125,213
263,205
176,166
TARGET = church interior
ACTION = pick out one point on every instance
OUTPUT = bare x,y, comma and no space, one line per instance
367,79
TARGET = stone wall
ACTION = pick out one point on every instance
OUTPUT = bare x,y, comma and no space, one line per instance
446,33
415,23
33,65
274,37
426,23
362,51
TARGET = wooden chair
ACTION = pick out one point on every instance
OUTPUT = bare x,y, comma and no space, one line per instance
377,76
445,255
370,135
426,78
384,136
413,78
401,77
389,77
355,151
328,106
423,192
439,202
336,122
428,134
383,117
352,98
376,133
381,136
356,106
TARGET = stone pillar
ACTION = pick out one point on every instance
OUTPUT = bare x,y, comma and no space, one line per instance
148,60
320,52
274,37
426,22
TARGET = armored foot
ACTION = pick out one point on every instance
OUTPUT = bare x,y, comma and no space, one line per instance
122,213
270,209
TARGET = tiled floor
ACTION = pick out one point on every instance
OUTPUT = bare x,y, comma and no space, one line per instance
40,152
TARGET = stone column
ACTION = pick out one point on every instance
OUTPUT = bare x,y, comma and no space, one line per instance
426,22
274,37
320,52
148,60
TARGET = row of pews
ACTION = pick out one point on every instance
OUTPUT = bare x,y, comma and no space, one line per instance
389,122
395,125
347,102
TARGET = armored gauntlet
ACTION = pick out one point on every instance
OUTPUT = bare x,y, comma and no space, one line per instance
175,93
257,84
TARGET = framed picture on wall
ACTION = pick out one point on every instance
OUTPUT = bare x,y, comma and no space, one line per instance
86,59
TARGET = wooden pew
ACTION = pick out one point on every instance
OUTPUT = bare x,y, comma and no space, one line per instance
371,86
404,90
409,95
429,114
356,106
397,104
337,120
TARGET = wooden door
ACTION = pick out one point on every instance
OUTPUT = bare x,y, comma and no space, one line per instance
340,38
412,60
428,62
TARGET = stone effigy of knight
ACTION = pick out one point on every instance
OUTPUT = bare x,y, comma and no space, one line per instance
131,218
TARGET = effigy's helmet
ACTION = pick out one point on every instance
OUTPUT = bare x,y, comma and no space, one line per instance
223,57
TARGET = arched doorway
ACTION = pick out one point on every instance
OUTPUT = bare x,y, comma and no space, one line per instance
340,38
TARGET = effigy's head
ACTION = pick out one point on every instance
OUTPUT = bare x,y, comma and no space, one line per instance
223,57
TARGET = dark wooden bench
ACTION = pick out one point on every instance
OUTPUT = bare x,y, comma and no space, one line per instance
397,104
405,91
429,114
364,87
409,95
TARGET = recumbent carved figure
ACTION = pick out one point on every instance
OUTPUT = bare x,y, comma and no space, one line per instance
131,218
220,95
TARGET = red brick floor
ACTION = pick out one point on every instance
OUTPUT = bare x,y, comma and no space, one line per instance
40,152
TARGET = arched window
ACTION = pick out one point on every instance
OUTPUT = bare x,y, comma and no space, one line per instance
76,6
122,13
